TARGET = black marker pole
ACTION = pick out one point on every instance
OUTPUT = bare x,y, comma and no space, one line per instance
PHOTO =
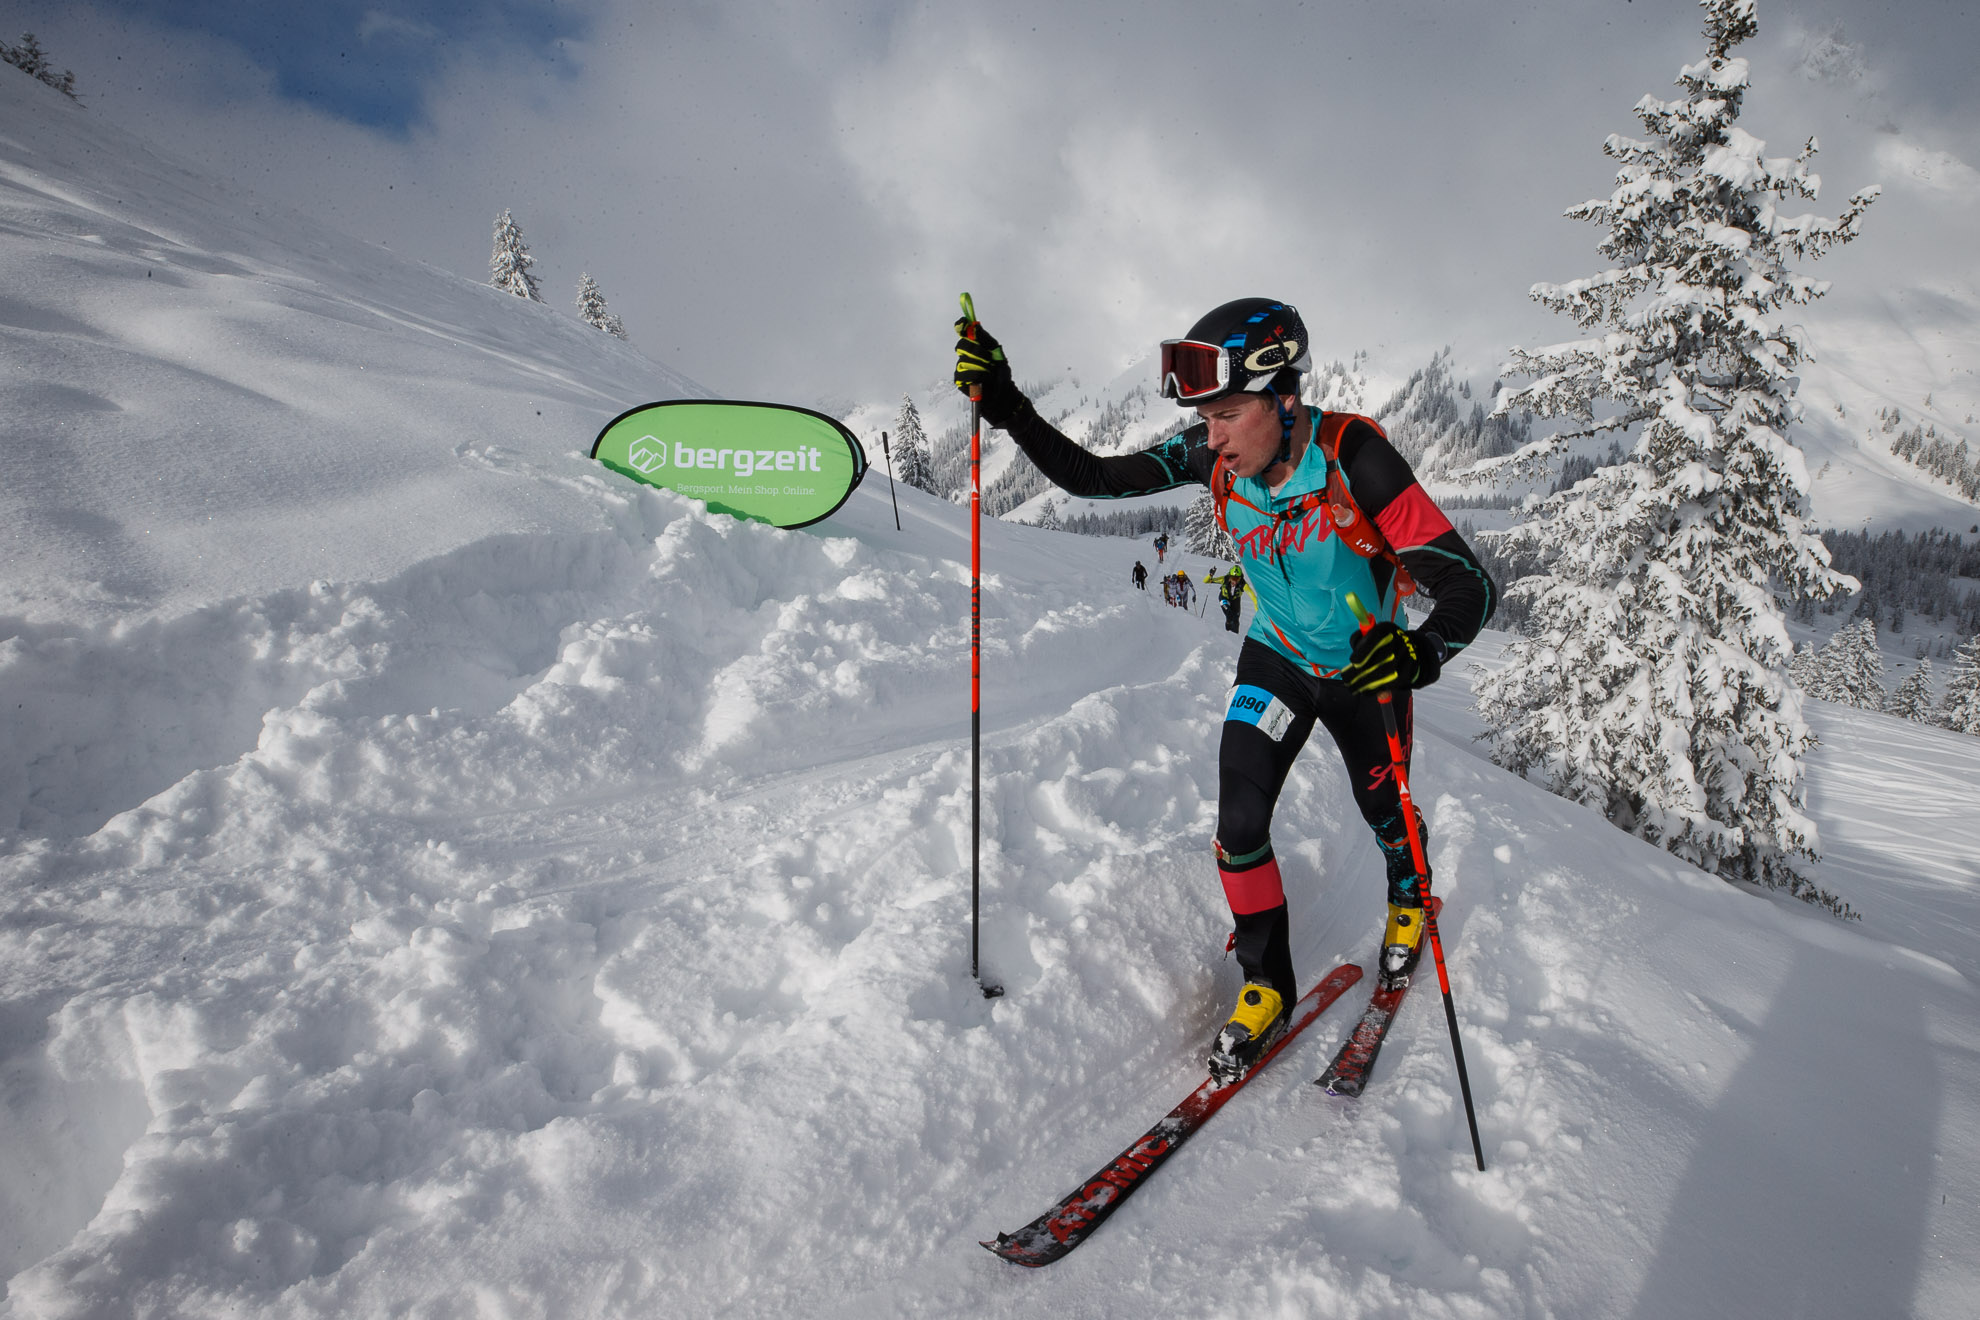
884,449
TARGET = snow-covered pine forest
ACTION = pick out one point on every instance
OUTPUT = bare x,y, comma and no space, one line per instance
440,878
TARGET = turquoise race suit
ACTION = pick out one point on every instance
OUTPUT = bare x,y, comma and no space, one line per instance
1297,553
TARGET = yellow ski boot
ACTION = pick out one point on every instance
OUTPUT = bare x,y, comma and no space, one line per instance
1256,1023
1402,944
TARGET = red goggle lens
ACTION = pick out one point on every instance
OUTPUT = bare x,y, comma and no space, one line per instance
1191,369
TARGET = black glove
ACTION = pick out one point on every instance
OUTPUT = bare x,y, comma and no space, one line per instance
980,363
1386,656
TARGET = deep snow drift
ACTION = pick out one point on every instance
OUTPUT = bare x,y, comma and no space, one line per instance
484,887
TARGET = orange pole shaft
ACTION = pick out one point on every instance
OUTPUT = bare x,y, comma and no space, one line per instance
976,668
1417,858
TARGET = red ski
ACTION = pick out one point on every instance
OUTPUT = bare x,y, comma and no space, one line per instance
1348,1073
1070,1222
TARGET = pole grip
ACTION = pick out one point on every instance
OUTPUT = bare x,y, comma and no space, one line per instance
969,333
1361,614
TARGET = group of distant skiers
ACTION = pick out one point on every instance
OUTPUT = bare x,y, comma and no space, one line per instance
1178,590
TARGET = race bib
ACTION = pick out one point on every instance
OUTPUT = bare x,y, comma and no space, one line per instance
1254,705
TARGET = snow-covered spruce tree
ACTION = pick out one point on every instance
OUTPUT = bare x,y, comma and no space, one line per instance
1812,667
508,267
29,59
1653,684
1201,535
1911,699
27,56
591,306
1850,669
911,448
1959,709
948,464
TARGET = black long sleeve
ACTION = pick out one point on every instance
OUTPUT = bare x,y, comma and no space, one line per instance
1177,461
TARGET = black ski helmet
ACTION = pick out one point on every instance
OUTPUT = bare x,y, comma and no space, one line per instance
1251,344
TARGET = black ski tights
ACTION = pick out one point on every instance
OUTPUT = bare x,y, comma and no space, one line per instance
1272,712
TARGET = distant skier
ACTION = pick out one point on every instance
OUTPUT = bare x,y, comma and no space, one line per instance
1231,596
1212,578
1140,576
1161,547
1325,502
1185,589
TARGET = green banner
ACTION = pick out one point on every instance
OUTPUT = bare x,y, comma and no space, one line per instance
771,462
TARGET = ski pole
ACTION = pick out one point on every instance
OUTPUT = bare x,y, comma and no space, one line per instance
975,662
1367,621
884,449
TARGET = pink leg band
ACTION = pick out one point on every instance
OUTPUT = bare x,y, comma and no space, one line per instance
1256,890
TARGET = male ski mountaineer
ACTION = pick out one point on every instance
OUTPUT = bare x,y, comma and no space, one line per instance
1319,504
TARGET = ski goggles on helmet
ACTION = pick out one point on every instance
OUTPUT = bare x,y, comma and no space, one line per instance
1192,370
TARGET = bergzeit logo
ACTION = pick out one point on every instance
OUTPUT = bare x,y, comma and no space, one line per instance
786,466
647,455
742,462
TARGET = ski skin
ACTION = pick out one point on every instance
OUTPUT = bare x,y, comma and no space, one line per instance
1055,1233
1347,1075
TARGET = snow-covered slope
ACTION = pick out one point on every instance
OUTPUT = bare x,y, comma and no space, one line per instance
560,907
197,401
1913,352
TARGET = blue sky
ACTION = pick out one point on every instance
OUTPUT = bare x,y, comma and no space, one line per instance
369,62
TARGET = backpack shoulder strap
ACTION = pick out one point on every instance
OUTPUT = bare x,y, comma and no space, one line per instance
1333,425
1221,481
1356,528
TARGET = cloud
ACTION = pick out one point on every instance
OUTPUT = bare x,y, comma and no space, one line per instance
376,23
1908,164
784,199
1068,222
